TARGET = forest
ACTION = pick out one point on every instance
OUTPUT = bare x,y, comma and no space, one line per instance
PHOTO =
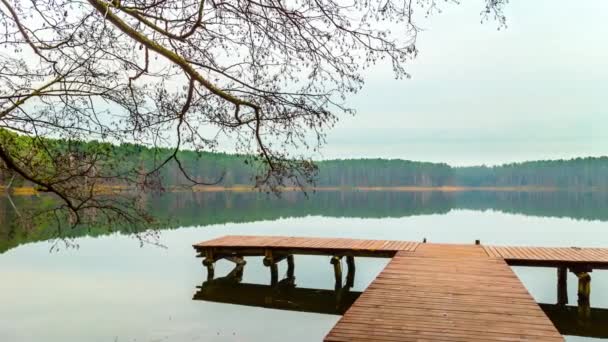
234,169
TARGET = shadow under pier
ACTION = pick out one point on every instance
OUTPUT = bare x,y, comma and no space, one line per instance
284,295
569,320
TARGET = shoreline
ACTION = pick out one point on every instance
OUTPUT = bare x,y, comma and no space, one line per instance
31,191
380,188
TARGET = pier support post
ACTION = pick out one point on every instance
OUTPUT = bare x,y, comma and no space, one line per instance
290,267
270,262
268,257
584,289
210,269
350,274
208,262
562,286
274,274
238,272
336,261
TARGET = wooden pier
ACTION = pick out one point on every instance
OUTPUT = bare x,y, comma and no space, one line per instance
430,292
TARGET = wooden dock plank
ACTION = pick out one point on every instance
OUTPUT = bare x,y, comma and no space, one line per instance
337,244
422,296
550,256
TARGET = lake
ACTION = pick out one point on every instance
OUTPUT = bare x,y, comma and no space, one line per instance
99,285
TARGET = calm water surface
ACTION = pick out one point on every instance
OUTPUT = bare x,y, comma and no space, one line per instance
111,288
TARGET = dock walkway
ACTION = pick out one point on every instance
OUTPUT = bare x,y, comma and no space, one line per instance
429,292
445,293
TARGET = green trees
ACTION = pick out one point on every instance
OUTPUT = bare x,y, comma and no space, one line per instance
382,172
590,172
234,169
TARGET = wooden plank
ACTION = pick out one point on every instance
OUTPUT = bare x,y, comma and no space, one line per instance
551,256
421,296
306,243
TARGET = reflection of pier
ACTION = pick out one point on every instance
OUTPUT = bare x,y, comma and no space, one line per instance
427,291
284,295
570,321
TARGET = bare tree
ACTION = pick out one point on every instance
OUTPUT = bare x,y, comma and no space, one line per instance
271,75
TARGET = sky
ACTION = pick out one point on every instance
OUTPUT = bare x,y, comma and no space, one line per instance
535,90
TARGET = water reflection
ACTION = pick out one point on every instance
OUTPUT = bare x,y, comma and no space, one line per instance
110,289
569,320
174,210
284,295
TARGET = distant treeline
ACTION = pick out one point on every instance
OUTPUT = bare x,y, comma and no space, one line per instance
591,172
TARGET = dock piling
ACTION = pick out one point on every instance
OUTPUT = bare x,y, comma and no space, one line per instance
274,274
350,273
208,262
584,289
562,286
290,267
210,269
271,262
336,261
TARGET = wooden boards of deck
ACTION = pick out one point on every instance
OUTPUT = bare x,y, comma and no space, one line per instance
306,245
526,256
550,257
445,293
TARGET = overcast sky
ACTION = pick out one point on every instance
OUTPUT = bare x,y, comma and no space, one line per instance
537,90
